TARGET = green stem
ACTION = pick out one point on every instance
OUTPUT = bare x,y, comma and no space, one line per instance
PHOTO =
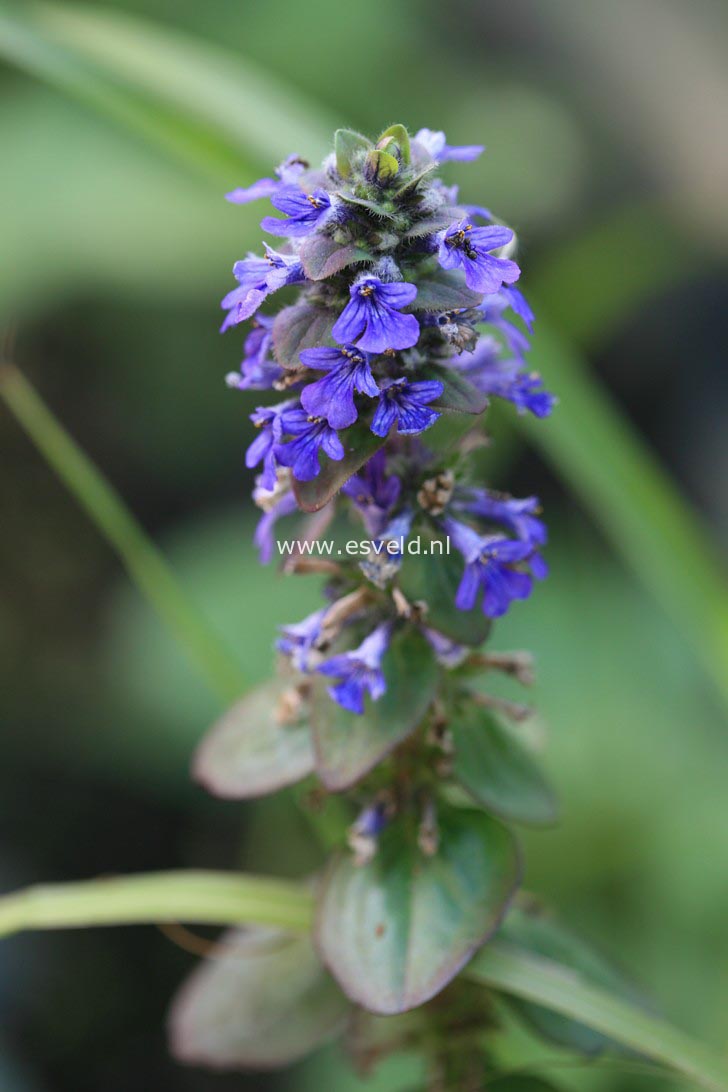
143,561
215,898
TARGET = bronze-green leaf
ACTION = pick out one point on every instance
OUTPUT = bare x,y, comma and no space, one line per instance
494,767
300,326
322,256
360,444
396,930
258,746
347,745
264,1002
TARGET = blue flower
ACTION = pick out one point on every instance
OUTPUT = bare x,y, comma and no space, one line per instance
257,370
269,419
257,278
504,299
312,435
436,144
372,316
304,211
359,670
406,404
491,569
504,378
374,492
333,396
299,639
520,517
469,247
285,505
287,173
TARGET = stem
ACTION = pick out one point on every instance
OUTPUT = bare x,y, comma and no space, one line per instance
215,898
144,563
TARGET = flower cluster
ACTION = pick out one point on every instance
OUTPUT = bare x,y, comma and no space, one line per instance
401,320
406,309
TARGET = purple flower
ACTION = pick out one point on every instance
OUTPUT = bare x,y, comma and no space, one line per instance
287,173
299,639
520,517
372,316
504,299
490,568
257,278
406,403
469,247
269,419
257,370
304,211
263,537
504,378
359,670
374,492
333,396
311,435
436,144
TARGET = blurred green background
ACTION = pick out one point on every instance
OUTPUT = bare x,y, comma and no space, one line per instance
606,150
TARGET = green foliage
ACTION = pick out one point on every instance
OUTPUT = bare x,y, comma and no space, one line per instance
397,929
347,144
435,579
263,1000
261,744
349,746
495,768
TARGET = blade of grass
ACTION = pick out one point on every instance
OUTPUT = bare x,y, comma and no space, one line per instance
214,898
545,982
215,111
227,898
594,449
141,558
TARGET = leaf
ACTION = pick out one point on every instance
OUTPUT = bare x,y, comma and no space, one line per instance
346,145
495,768
251,751
434,579
263,1004
395,931
348,746
543,936
360,444
458,394
300,326
401,139
377,210
411,185
429,226
445,292
322,256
